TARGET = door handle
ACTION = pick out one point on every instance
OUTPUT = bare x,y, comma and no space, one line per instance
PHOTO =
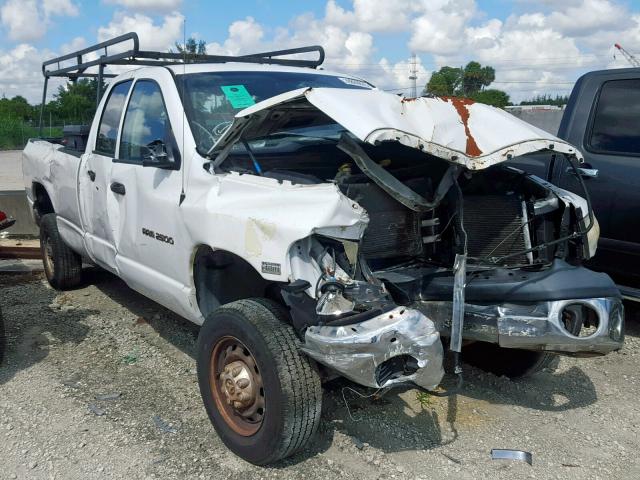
118,188
92,175
584,172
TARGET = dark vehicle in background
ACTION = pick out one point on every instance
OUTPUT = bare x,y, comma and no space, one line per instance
602,119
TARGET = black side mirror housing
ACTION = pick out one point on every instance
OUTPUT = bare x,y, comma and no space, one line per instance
160,156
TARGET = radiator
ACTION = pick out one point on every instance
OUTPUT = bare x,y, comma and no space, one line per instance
494,226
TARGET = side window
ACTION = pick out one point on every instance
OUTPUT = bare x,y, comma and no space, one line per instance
110,121
616,122
146,134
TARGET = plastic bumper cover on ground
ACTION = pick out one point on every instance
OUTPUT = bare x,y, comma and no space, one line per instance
356,351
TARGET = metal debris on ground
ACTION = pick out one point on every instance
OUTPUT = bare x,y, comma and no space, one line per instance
507,454
162,425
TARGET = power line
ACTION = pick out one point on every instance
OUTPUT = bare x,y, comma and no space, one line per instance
499,61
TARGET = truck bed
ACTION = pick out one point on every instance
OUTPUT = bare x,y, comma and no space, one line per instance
49,165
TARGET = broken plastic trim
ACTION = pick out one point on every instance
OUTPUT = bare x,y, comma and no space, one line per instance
390,184
457,319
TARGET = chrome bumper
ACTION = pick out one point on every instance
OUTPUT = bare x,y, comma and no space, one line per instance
357,351
536,327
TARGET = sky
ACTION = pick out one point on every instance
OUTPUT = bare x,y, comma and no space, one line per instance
536,46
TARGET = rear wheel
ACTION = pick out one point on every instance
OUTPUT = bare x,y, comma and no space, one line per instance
511,362
261,394
62,266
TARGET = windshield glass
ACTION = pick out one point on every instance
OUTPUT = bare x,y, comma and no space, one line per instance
211,99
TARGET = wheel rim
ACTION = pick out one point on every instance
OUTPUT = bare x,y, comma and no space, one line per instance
236,385
47,256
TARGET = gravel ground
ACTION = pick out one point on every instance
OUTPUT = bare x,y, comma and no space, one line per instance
100,383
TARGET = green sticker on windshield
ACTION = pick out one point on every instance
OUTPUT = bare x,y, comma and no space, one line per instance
238,96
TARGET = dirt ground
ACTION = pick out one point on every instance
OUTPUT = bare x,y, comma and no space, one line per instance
100,383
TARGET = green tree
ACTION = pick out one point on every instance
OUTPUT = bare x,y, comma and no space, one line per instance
468,82
75,102
491,96
191,49
475,77
16,108
546,99
445,82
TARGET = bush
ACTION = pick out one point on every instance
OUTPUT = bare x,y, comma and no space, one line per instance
15,133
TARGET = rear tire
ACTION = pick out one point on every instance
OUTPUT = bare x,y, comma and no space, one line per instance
62,266
276,409
510,362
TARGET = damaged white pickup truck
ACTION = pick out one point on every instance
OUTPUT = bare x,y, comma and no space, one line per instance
319,227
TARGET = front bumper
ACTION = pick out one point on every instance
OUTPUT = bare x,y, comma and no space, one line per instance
361,351
537,326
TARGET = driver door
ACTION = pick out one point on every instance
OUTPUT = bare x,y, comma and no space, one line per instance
93,180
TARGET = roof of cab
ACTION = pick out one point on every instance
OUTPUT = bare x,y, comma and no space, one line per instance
250,67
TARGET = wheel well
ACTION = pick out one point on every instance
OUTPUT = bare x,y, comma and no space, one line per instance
42,202
221,277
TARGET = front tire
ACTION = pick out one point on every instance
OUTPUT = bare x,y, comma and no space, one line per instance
262,395
62,266
510,362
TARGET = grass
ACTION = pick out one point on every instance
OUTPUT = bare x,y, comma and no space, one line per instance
14,134
424,399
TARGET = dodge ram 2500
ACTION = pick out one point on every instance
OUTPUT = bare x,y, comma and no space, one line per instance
315,227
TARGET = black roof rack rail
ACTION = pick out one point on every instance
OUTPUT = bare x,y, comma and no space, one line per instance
136,57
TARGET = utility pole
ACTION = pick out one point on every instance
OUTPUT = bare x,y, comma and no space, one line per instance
413,76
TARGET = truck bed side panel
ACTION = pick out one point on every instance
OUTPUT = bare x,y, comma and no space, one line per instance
49,165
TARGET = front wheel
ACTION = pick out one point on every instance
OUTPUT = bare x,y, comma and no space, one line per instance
262,395
510,362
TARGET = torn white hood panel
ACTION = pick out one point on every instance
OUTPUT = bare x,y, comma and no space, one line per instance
458,130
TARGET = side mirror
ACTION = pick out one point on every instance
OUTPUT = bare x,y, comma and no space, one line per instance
159,157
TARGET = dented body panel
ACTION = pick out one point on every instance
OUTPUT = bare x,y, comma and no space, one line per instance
459,131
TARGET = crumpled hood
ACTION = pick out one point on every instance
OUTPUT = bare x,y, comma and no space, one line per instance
457,130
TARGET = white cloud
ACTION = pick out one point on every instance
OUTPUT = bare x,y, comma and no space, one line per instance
151,6
59,7
28,20
369,15
23,20
588,17
152,36
245,36
20,73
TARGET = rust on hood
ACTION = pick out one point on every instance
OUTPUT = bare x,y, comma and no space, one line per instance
460,104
